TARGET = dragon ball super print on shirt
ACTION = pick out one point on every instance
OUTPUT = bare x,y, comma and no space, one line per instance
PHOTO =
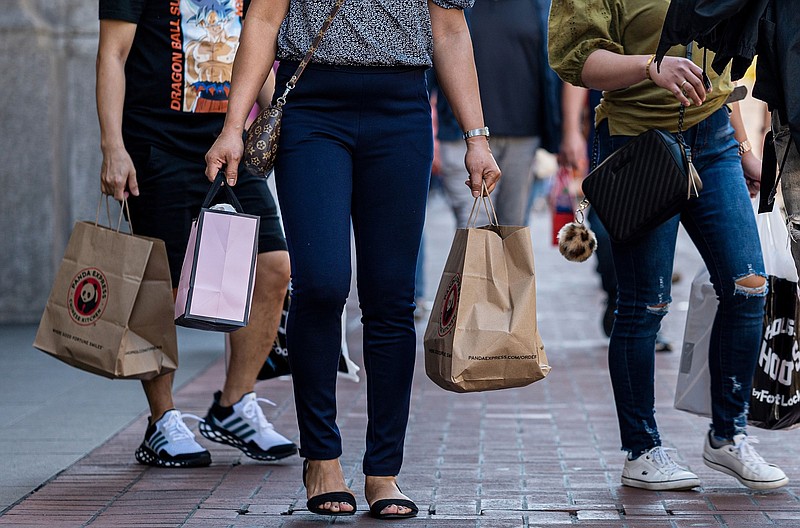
209,34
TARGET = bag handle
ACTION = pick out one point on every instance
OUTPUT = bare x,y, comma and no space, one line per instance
487,206
221,182
122,209
292,82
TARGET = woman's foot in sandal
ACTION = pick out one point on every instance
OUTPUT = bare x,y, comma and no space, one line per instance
386,501
319,478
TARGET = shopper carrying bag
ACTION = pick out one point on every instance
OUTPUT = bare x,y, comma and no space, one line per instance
482,333
109,311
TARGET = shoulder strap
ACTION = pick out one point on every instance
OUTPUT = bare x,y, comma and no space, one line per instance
310,53
774,190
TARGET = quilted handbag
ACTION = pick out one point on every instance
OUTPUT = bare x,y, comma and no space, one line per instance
642,185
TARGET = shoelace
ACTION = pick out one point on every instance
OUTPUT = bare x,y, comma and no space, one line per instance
747,453
661,458
176,430
252,411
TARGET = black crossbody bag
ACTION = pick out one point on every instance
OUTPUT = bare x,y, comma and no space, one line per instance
644,183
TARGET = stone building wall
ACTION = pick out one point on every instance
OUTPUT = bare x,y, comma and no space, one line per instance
49,144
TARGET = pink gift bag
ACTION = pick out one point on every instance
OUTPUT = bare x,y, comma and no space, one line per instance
218,272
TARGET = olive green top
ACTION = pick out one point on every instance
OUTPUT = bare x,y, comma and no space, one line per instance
630,27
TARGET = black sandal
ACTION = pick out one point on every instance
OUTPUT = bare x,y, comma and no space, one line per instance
379,505
313,504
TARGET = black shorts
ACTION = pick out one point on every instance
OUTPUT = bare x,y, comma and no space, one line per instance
171,191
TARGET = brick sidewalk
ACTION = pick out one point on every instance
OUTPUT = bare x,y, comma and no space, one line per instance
543,455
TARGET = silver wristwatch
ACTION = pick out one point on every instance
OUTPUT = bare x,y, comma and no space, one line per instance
476,132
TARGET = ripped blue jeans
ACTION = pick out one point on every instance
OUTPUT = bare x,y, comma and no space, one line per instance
722,226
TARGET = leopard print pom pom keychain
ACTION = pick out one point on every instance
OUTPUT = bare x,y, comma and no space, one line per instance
576,241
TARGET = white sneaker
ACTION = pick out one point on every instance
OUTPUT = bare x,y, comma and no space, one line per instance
246,428
741,460
169,443
655,470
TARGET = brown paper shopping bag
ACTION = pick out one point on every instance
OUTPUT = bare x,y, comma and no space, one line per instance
110,311
482,333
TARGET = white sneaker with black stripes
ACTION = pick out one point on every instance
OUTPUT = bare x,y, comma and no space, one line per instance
169,443
245,427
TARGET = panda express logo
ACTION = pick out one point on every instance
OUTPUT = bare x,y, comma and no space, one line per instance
88,296
447,320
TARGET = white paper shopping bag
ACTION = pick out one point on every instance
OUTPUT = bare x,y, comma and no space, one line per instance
218,273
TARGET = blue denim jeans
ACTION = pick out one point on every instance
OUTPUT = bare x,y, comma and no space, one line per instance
722,226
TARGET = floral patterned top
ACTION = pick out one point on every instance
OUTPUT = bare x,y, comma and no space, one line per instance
364,33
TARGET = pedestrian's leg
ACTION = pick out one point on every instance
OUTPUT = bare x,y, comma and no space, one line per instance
515,158
605,268
168,442
235,417
317,222
389,197
723,228
314,182
453,174
158,392
388,215
643,270
251,345
167,185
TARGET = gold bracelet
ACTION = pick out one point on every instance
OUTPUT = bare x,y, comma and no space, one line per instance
647,68
744,147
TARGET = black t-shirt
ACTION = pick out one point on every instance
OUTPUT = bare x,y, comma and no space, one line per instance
178,72
508,39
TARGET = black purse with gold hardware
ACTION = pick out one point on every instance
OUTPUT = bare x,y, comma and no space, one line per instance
646,182
637,188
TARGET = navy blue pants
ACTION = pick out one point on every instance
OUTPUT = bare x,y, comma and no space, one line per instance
356,144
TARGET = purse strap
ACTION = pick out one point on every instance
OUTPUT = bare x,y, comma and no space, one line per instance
774,190
292,82
682,112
